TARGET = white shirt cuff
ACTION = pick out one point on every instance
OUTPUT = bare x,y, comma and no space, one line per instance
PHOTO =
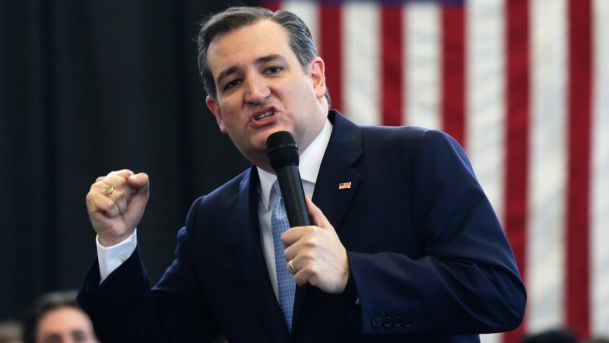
112,257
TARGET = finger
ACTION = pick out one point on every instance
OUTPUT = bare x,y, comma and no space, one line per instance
303,276
303,247
118,196
125,173
290,251
115,180
292,267
139,182
294,234
111,210
139,200
113,188
318,217
141,186
99,203
119,181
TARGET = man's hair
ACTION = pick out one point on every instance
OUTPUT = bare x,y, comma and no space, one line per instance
301,41
45,304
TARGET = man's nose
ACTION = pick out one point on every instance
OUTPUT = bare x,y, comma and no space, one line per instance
257,89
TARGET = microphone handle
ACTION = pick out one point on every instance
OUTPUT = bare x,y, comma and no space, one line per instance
293,196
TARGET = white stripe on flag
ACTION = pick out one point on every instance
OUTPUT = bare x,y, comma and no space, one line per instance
485,104
547,191
599,234
485,132
423,45
361,81
307,11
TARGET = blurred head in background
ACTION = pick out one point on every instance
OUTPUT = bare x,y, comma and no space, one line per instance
10,332
559,335
57,318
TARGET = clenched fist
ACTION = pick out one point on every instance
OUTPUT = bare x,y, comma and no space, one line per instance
116,204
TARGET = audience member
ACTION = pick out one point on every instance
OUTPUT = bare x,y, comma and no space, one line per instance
10,332
57,318
551,336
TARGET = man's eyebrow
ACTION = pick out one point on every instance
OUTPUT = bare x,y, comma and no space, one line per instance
268,58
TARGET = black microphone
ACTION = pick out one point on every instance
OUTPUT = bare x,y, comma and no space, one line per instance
282,151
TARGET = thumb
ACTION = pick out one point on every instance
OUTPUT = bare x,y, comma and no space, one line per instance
141,191
318,217
139,182
141,186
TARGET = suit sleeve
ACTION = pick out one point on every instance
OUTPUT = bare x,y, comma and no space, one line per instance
123,308
466,281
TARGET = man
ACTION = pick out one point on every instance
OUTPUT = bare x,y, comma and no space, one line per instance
404,247
57,318
10,332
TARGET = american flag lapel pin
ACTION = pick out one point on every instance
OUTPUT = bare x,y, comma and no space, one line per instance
344,185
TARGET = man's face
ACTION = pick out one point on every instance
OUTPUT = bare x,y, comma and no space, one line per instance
261,89
65,325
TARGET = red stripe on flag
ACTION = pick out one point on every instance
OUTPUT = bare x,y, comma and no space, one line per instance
517,135
392,70
330,46
453,71
578,187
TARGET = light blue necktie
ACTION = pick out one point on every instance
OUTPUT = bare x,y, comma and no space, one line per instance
285,280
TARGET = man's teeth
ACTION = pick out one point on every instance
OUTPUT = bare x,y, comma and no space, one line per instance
264,115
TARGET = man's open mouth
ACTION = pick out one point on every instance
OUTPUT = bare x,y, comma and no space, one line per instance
264,115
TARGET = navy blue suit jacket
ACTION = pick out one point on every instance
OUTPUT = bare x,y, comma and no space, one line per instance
428,259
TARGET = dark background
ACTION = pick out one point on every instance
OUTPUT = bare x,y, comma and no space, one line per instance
87,87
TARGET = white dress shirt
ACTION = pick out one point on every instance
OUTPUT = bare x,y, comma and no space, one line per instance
112,257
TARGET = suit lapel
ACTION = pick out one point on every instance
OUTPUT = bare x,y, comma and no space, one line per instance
338,180
337,167
244,215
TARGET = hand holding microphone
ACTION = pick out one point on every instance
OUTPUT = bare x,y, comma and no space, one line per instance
312,247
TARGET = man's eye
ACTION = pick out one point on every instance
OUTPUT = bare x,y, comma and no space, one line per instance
274,70
79,336
230,85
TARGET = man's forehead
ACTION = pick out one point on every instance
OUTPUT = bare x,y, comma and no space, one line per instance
252,42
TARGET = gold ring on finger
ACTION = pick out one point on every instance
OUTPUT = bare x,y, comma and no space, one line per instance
108,190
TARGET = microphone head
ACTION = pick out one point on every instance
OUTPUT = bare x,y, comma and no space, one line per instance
282,150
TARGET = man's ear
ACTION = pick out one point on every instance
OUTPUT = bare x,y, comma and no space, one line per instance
215,109
317,71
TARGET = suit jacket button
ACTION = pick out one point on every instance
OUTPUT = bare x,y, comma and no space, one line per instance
377,321
387,321
397,322
407,322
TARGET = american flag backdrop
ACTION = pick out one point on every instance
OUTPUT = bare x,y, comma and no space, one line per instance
524,86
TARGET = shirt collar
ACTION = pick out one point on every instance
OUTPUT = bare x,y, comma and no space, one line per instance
310,161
